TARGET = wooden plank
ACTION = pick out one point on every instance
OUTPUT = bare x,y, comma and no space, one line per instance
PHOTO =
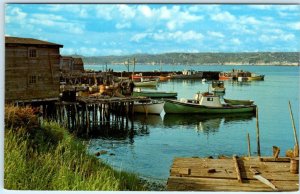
237,169
209,184
272,159
184,171
225,169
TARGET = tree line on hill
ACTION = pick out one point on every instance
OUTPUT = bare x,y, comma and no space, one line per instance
249,58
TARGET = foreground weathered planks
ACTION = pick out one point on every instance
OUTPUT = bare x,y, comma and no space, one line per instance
196,174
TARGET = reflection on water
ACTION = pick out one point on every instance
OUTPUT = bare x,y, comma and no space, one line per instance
203,123
144,119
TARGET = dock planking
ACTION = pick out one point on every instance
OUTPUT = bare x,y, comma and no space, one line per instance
202,174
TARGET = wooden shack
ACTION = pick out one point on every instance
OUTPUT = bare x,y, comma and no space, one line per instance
31,69
70,64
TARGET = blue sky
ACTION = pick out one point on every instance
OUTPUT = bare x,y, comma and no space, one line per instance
121,29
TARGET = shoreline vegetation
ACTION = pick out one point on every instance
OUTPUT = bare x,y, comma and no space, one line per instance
246,58
44,156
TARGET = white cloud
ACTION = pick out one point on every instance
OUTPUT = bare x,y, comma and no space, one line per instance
261,7
171,25
288,7
123,25
223,17
249,20
295,25
178,36
215,34
138,37
145,10
105,11
172,17
57,23
205,8
267,38
78,10
126,12
236,41
165,13
16,14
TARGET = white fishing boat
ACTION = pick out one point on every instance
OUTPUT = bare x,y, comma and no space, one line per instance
217,86
148,106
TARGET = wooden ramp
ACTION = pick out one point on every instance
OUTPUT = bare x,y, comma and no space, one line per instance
202,174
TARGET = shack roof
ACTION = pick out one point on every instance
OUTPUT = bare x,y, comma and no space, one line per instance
28,41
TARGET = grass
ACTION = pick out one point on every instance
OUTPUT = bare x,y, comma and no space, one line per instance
47,157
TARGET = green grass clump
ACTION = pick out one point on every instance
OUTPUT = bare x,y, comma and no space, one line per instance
47,157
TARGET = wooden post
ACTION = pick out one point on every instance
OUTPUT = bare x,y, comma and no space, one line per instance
237,169
296,148
249,148
257,133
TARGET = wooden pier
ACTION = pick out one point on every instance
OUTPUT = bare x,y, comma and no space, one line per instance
203,174
93,115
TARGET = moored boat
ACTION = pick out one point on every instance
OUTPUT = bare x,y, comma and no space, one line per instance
148,106
164,77
238,102
243,75
155,94
217,86
255,77
205,103
141,82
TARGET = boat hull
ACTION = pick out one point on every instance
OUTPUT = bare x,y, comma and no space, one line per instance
238,102
155,94
256,78
148,107
146,83
177,107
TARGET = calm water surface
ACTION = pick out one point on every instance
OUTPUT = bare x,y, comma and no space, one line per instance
159,139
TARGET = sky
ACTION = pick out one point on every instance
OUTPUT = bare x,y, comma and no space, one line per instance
122,29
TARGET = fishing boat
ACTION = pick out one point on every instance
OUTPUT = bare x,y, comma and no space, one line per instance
155,94
148,106
243,75
217,86
164,77
142,82
140,75
205,103
255,77
238,102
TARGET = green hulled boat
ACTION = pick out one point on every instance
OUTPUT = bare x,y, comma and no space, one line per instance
155,94
205,103
238,102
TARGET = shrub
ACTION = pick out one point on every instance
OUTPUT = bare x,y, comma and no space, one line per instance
20,117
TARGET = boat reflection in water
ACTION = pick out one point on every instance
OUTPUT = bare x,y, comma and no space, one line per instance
150,119
203,123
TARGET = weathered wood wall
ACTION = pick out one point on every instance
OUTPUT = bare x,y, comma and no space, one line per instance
19,67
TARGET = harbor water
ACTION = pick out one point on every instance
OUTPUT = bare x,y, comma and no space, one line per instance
158,139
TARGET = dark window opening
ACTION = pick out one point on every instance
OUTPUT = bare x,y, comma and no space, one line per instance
32,53
210,99
32,79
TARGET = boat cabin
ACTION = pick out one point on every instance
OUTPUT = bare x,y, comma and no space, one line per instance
208,99
211,101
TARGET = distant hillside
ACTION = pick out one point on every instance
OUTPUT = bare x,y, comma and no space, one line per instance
255,58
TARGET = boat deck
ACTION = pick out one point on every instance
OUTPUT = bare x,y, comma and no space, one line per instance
202,174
